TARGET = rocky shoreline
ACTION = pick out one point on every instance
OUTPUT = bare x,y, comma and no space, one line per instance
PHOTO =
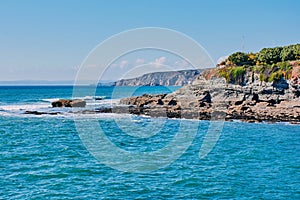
211,99
214,99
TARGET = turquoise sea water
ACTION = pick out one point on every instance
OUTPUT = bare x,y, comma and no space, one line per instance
42,157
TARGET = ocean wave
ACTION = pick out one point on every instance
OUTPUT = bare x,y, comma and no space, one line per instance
50,100
94,98
83,98
67,115
105,102
87,98
47,106
18,107
43,107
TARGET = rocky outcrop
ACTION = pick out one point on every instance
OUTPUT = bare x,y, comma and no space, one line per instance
171,78
153,105
69,103
215,99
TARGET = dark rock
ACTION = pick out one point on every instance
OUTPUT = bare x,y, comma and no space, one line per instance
160,102
40,113
69,103
207,97
255,97
172,103
281,84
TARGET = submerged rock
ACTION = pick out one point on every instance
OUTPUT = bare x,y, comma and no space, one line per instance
40,113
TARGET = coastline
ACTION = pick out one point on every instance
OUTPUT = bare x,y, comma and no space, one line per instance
211,99
214,99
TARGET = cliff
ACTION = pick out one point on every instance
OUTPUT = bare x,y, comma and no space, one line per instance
171,78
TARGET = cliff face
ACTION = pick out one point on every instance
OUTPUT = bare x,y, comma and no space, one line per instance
171,78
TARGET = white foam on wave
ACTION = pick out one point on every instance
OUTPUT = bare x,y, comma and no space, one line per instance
98,116
84,98
50,100
105,102
56,99
39,106
67,115
17,107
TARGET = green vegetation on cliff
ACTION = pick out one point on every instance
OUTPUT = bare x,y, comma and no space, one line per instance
271,64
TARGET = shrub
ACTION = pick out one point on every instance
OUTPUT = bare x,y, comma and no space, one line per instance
286,66
263,77
237,72
224,72
276,76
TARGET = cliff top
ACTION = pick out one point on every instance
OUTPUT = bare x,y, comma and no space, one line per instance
270,64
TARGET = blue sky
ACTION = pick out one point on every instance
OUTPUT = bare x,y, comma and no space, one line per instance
48,40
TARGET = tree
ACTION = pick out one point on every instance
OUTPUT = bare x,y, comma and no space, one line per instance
270,55
239,58
287,53
296,49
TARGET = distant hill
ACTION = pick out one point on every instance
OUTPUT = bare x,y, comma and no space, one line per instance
169,78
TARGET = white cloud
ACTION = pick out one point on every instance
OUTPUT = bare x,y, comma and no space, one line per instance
159,61
139,61
221,59
120,65
123,63
114,65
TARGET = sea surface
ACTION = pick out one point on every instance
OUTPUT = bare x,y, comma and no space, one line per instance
45,157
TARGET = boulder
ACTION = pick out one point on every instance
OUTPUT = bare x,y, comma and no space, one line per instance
77,103
69,103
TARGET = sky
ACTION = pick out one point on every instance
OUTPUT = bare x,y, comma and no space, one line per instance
49,40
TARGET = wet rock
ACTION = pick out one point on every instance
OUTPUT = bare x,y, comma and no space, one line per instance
69,103
40,113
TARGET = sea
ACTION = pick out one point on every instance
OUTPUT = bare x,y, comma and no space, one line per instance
72,155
